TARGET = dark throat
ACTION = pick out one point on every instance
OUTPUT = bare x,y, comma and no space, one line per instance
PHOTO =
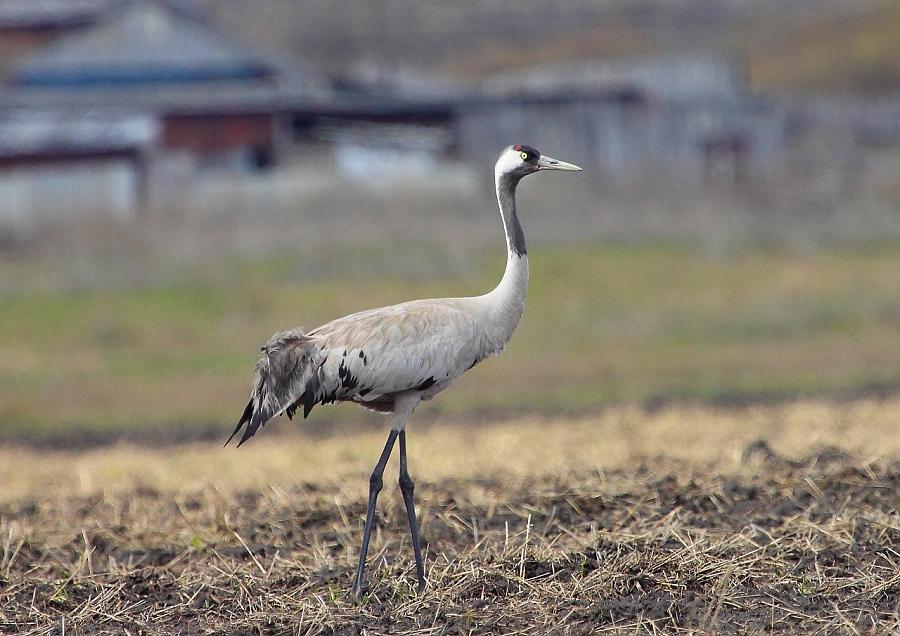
506,196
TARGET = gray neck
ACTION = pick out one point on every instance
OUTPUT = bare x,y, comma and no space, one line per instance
506,197
504,305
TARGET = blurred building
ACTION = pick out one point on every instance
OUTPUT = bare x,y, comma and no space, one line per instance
691,115
142,97
27,25
120,108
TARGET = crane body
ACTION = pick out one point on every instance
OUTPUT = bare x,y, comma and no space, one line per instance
390,359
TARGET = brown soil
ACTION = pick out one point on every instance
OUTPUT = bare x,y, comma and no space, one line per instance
768,545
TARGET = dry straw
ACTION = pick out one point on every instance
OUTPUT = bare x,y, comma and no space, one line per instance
739,542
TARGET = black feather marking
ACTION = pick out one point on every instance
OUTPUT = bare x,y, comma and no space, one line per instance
474,362
245,419
292,409
253,419
308,404
362,356
348,380
427,384
309,395
364,392
259,419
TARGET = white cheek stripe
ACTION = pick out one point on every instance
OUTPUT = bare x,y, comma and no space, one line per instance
509,160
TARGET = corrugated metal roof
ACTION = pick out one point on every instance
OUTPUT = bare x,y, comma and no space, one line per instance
30,132
31,14
199,98
666,78
144,41
158,61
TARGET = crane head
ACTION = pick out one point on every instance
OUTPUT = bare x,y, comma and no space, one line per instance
519,160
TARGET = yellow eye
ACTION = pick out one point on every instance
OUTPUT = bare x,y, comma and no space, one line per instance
524,156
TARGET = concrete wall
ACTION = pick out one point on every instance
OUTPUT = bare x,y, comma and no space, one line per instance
39,195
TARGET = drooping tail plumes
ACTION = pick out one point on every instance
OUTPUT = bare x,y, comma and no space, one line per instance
287,374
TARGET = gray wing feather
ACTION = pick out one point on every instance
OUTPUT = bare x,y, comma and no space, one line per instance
287,370
366,357
399,348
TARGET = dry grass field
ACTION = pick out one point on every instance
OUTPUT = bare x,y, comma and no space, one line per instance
605,324
584,482
688,519
693,431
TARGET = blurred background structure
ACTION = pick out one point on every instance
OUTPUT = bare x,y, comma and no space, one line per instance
787,111
142,139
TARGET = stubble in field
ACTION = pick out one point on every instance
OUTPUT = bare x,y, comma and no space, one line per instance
673,521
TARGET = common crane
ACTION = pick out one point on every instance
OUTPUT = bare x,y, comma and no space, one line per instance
392,358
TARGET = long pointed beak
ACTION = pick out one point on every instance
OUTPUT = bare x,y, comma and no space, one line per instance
549,163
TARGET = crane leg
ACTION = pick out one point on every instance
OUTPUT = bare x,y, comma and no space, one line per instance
375,484
407,486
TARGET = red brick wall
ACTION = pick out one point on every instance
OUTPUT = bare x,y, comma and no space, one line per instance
209,133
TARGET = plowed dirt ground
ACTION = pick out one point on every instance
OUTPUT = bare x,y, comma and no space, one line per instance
724,535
